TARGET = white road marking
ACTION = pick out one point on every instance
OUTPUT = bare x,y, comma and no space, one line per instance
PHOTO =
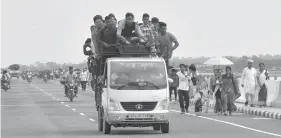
58,99
261,118
73,109
54,97
82,114
233,124
67,105
62,102
92,119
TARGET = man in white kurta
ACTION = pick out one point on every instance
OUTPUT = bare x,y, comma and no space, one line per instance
249,82
83,78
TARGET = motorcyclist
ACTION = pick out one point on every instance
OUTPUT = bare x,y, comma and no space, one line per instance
69,76
5,78
29,74
45,76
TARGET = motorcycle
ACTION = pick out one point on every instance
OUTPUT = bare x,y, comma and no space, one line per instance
29,78
45,78
71,89
5,85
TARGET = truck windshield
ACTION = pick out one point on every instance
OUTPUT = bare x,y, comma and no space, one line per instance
128,75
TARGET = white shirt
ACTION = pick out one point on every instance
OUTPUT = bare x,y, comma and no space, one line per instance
262,78
183,81
249,79
83,76
249,76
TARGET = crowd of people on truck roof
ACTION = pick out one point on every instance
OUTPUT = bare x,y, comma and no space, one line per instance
108,32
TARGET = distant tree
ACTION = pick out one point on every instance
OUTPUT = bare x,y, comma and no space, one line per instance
14,67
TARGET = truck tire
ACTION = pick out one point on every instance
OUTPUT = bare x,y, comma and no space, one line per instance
157,127
107,127
165,128
100,119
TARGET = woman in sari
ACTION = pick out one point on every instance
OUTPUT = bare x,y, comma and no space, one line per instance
262,78
229,91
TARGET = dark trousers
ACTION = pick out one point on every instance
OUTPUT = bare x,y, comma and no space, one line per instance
84,84
184,99
175,92
93,84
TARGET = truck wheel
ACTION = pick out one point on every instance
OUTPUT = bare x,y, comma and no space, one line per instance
107,127
165,128
100,119
157,127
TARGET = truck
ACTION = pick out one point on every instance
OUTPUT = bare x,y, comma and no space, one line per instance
14,71
131,88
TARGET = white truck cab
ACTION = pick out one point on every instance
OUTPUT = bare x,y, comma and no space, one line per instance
135,94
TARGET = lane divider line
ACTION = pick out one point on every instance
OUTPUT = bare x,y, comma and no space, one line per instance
82,114
233,124
67,105
73,109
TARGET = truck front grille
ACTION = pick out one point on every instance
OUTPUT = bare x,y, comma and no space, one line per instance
138,106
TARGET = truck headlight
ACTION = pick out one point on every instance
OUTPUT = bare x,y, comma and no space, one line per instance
163,105
113,106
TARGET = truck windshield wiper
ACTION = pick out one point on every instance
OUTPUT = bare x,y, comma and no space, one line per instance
148,82
128,84
138,84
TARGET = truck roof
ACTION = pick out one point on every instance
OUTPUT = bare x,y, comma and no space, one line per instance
157,59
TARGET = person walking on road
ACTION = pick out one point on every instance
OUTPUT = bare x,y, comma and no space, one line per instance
83,78
215,83
262,77
249,82
174,85
229,91
183,89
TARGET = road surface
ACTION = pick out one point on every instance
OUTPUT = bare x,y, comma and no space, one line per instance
40,110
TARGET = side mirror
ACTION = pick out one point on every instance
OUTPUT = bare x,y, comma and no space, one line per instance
87,50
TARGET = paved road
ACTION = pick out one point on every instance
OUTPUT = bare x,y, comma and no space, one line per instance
40,110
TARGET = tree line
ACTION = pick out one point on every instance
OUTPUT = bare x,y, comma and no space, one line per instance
239,63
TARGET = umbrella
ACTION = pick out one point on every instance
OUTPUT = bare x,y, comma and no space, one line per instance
218,61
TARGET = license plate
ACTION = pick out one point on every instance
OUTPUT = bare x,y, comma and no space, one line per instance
138,116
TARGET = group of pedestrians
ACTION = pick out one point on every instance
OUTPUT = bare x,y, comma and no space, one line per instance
255,83
222,87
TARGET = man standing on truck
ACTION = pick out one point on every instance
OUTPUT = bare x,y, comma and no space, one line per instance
165,41
108,39
95,29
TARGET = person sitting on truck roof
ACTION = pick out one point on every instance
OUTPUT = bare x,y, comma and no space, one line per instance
147,30
113,18
155,27
127,27
95,29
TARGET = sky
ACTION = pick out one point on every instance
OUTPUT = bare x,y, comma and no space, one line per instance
55,30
